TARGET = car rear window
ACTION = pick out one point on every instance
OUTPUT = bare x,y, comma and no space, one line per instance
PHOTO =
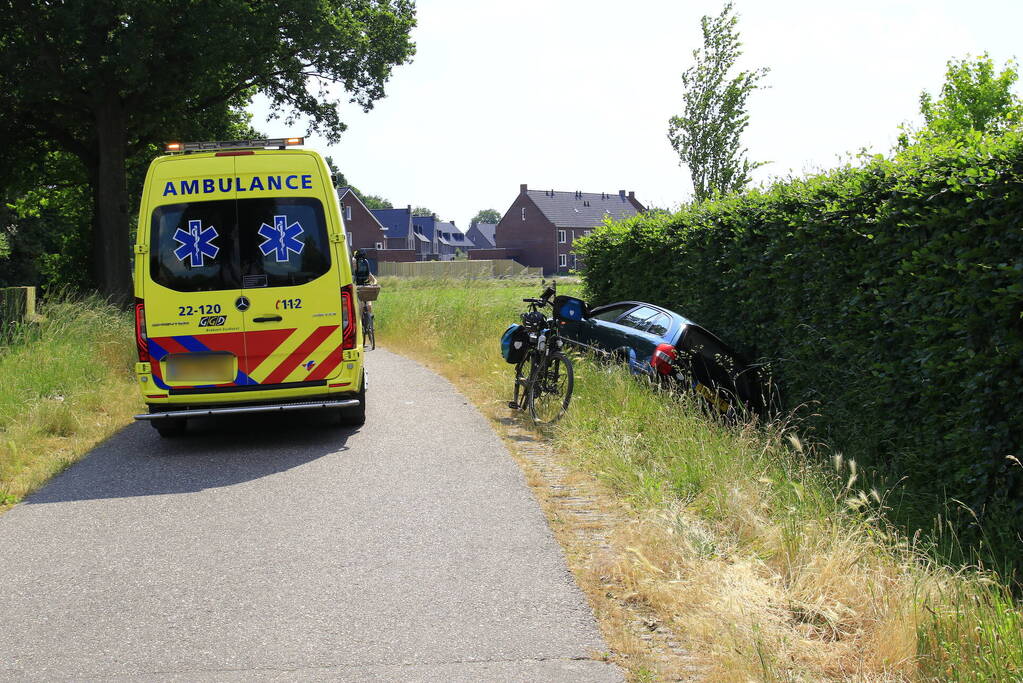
657,325
637,317
235,244
611,313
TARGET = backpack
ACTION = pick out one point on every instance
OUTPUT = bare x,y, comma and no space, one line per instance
514,342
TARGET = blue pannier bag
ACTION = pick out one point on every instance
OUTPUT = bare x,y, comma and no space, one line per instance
570,308
513,343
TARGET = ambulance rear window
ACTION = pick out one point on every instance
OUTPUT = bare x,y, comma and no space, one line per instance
216,245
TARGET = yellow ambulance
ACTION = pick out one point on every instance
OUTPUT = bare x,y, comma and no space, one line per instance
244,296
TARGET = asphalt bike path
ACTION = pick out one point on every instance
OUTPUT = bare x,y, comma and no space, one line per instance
287,548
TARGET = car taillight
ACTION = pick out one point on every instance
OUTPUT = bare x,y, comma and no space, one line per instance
140,331
347,318
663,358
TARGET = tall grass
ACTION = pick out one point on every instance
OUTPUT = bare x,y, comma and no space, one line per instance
65,384
764,554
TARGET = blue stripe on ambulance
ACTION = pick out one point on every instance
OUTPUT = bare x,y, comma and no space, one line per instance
156,352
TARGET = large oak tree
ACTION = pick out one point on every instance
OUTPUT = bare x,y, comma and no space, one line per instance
104,79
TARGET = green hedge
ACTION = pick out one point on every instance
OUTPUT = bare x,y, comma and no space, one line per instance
887,297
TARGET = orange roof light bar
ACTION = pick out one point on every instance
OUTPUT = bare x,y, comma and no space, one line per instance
220,145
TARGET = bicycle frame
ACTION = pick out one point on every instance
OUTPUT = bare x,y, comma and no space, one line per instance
544,346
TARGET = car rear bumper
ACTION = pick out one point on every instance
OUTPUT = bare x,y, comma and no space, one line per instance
237,410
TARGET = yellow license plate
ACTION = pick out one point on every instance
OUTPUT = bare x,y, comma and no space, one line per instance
201,368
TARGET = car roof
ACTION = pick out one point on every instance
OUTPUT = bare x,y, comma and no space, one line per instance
680,323
681,319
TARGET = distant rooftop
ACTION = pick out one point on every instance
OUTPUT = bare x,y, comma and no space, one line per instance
395,221
583,209
487,230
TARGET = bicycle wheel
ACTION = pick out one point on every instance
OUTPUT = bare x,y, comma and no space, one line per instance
523,370
551,390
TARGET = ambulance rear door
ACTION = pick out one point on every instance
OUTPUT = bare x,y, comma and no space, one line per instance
193,285
289,276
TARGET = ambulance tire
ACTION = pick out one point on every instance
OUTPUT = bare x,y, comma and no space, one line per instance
169,427
356,417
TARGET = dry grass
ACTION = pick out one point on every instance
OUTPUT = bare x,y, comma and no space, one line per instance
65,385
738,543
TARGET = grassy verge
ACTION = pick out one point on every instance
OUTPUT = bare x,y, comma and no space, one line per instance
65,385
765,558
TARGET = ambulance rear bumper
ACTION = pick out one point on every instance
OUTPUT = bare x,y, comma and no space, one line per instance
238,410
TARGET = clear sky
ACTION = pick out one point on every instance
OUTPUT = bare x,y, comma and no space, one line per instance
576,94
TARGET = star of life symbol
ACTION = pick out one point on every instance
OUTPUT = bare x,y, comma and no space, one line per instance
196,243
281,238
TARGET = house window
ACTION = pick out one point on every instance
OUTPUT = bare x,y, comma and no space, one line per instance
562,238
348,236
348,212
379,245
562,260
523,213
587,233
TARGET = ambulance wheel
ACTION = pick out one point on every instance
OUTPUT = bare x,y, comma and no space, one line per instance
169,427
356,417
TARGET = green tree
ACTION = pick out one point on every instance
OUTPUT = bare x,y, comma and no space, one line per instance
975,97
707,135
45,211
373,201
422,211
107,81
486,216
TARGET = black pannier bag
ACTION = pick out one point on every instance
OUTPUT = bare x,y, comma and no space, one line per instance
514,342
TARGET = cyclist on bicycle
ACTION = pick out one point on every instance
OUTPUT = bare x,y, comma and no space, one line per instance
364,277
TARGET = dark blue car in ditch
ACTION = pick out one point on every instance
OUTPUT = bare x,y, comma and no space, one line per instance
665,346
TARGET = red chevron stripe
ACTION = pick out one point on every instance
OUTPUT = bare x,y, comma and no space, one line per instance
332,360
259,344
296,357
170,345
232,342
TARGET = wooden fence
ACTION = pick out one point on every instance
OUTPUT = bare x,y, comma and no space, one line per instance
458,269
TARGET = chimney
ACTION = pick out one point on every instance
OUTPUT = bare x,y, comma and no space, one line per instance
522,188
632,195
621,195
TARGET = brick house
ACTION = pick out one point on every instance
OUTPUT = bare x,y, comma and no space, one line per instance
450,240
541,225
362,229
481,235
398,226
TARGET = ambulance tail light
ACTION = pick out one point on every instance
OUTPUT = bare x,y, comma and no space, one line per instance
663,358
141,341
347,317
